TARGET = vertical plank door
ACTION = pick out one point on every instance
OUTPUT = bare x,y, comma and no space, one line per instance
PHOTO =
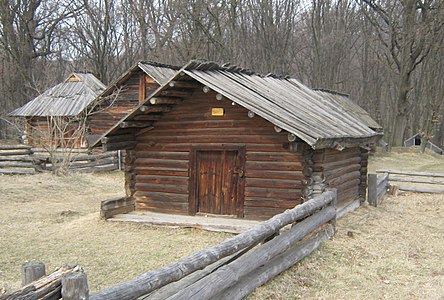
217,182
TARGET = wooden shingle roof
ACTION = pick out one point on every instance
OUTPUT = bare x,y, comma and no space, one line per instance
68,98
283,101
344,101
286,103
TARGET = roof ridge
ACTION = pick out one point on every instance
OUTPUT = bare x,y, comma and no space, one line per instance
159,64
206,65
331,92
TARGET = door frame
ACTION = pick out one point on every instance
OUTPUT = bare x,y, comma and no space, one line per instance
192,173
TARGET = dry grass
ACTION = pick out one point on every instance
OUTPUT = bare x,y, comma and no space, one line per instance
56,220
395,250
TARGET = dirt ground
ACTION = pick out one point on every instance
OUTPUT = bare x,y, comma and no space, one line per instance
394,251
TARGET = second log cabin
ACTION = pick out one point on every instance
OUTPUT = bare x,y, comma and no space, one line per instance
221,140
122,96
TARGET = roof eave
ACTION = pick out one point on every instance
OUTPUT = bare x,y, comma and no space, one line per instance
347,142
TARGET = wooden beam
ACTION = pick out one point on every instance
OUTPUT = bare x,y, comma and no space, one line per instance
144,130
184,84
165,100
118,145
415,173
138,124
15,147
176,93
416,180
277,265
32,271
147,117
372,189
118,138
206,89
228,276
17,172
421,189
149,109
75,286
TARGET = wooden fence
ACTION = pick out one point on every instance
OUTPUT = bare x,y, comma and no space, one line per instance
21,159
377,188
235,267
412,181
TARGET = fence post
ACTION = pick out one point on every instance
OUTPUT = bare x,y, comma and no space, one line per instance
32,271
75,286
372,189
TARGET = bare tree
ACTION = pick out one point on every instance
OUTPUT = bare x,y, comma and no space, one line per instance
407,29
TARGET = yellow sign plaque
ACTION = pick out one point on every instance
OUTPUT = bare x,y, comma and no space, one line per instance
217,111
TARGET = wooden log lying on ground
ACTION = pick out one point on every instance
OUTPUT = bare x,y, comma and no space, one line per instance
114,206
277,265
86,157
61,150
47,287
17,172
95,169
150,281
227,276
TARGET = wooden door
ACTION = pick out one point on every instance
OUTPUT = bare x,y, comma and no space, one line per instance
217,182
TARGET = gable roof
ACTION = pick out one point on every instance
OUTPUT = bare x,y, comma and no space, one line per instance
159,72
68,98
283,101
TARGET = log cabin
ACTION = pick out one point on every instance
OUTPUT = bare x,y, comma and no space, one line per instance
56,107
221,140
123,95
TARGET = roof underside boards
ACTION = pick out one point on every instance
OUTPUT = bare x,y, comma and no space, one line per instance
160,73
287,104
350,107
65,99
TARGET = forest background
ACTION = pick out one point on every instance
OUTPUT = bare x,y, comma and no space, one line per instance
388,55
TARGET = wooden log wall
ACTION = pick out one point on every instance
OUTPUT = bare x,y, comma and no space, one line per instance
273,172
39,135
364,167
132,92
37,131
341,170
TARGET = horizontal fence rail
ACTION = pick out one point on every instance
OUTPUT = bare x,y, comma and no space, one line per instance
235,255
22,159
229,270
412,181
416,181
